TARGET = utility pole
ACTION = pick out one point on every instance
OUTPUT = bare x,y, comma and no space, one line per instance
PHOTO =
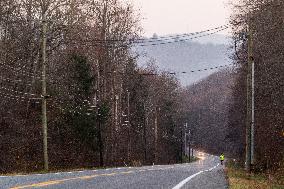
100,141
252,107
116,112
181,144
185,141
250,104
98,104
44,94
145,132
156,135
106,53
252,113
128,126
128,106
189,146
97,85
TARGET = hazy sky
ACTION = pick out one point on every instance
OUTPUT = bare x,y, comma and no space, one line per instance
181,16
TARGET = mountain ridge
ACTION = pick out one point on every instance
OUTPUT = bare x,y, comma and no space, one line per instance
188,56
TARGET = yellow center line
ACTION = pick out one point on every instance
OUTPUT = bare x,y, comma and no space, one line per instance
93,176
54,182
128,172
38,184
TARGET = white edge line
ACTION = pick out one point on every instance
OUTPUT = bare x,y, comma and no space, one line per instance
186,180
182,183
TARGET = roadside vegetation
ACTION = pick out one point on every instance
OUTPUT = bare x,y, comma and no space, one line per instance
264,18
239,179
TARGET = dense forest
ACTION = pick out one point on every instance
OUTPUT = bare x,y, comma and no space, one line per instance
265,20
209,103
102,110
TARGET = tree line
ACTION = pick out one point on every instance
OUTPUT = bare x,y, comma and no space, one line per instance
265,20
102,109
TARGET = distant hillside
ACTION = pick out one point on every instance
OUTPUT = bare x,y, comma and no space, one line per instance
188,56
208,105
218,39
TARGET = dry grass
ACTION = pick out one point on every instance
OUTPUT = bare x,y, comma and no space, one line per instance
238,179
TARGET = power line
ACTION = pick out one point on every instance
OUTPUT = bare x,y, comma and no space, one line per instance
10,95
153,43
177,37
11,90
138,43
202,70
18,98
8,80
13,98
183,40
175,73
19,71
158,39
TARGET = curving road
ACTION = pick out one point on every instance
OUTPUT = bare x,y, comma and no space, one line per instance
203,174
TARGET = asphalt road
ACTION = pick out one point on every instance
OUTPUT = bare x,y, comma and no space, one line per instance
203,174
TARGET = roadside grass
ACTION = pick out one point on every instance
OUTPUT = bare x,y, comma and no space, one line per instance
239,179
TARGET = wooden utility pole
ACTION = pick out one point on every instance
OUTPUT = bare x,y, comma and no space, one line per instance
252,111
105,51
250,104
156,135
116,113
44,94
181,146
189,147
98,104
185,141
128,126
145,124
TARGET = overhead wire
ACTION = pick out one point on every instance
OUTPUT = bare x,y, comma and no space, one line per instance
12,98
183,40
11,80
175,73
23,93
150,74
114,43
158,39
203,69
25,98
138,42
21,98
19,71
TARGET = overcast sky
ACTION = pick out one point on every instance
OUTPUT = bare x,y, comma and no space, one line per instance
181,16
